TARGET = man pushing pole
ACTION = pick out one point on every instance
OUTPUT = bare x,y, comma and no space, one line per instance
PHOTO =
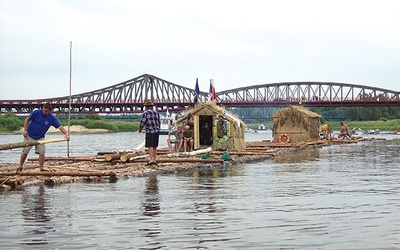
36,126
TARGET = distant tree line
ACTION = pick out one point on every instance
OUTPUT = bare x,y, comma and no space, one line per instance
363,113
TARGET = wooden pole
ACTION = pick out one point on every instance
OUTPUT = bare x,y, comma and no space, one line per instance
70,92
182,160
63,173
66,158
29,143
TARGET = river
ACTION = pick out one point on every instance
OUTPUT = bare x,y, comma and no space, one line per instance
337,197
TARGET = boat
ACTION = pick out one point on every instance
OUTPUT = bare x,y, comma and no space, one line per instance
167,123
372,132
356,132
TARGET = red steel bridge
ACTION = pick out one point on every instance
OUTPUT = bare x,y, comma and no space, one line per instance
128,97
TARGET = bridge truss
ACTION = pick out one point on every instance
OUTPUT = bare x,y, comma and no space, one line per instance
128,97
310,94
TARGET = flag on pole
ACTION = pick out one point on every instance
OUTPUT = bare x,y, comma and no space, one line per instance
213,96
197,92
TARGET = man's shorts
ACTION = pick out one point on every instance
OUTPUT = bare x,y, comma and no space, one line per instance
39,149
152,140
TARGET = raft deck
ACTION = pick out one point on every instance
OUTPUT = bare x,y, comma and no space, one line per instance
114,165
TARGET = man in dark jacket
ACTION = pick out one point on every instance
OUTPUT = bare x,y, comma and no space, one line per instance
151,120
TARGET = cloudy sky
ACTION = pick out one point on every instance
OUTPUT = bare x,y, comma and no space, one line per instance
237,43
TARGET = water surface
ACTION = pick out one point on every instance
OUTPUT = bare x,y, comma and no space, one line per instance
338,197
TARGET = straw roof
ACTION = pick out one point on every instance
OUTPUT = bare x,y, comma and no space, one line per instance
295,111
214,109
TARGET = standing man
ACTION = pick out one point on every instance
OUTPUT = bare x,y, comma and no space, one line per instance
35,128
151,120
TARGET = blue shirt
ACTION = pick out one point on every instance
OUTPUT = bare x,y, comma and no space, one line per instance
150,119
39,124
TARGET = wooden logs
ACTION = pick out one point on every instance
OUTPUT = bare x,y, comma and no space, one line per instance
9,184
112,157
51,182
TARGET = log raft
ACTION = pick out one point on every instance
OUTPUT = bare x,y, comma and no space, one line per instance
128,163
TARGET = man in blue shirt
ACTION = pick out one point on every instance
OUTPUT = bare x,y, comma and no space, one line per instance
151,120
35,128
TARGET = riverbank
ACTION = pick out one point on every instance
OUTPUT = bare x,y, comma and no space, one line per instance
96,168
386,125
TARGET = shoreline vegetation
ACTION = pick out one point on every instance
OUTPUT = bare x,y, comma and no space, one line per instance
12,124
382,125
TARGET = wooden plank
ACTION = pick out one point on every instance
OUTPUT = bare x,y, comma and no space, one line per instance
196,132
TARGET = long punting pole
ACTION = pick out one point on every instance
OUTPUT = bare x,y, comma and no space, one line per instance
70,92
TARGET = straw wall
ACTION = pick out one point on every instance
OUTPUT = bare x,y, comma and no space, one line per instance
236,139
299,123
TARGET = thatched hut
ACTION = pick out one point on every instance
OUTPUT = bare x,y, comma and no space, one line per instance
297,122
214,126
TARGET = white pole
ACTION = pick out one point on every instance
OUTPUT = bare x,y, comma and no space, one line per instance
70,90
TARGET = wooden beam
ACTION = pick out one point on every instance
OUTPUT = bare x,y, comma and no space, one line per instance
188,160
64,173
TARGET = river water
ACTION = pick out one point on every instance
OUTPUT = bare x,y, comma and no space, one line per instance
338,197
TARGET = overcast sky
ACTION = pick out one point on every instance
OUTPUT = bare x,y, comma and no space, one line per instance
237,43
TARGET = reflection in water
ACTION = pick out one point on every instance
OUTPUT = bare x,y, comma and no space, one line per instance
206,209
151,206
298,157
293,173
151,210
36,216
226,171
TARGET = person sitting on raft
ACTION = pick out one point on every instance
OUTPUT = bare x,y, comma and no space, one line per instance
178,134
187,138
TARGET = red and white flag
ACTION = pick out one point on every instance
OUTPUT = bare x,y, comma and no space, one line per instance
213,96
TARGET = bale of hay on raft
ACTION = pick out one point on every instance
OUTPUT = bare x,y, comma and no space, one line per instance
299,123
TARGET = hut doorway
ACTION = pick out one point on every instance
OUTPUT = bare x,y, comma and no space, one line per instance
205,129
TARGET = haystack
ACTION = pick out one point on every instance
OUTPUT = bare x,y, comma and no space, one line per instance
298,122
214,126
